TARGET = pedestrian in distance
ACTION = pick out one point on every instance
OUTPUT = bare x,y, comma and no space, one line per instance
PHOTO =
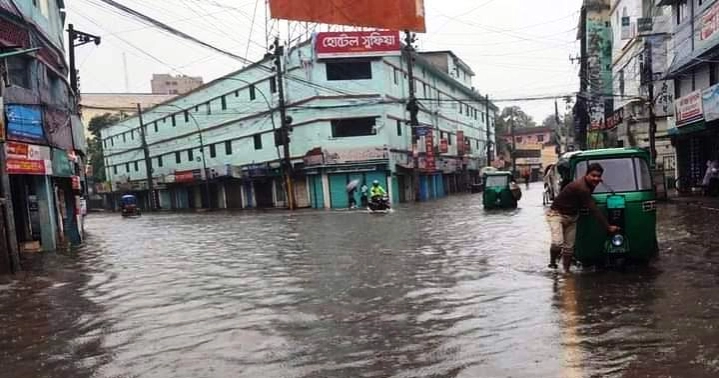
363,197
563,215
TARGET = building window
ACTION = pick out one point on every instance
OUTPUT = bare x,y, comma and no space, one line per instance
252,93
449,139
174,122
178,160
354,127
223,101
137,167
424,89
399,128
621,82
258,141
18,71
273,85
460,108
682,11
154,124
213,151
127,167
540,138
349,70
114,169
124,138
208,108
483,118
190,155
519,139
395,75
159,161
237,93
228,147
187,116
132,134
112,139
713,73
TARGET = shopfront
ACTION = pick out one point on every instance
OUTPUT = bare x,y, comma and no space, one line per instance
696,134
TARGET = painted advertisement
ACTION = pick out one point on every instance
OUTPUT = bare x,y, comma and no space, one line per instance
28,159
354,44
689,108
24,123
382,14
599,72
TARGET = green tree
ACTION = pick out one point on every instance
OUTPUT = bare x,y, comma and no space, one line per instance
510,115
94,144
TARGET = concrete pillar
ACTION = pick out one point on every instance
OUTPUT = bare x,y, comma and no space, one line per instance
221,196
326,190
197,192
390,189
46,211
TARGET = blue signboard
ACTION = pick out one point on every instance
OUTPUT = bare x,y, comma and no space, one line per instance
422,130
24,122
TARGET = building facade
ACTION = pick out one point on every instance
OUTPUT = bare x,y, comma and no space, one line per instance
695,71
164,84
96,104
535,150
349,122
44,138
642,34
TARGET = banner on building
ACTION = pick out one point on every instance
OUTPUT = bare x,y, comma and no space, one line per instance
392,15
188,176
460,143
443,146
664,98
430,164
689,108
24,123
28,159
710,22
354,44
710,103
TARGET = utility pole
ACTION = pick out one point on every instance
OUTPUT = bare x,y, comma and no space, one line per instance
148,161
413,109
285,126
514,145
489,135
560,130
7,223
82,38
649,78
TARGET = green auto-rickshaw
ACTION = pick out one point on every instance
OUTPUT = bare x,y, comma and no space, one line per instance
500,191
627,198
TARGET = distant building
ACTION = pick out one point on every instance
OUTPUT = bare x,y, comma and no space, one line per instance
97,104
350,122
173,85
535,149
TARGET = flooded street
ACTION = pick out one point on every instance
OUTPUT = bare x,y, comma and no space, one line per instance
440,289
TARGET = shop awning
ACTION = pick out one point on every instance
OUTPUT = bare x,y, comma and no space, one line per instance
687,129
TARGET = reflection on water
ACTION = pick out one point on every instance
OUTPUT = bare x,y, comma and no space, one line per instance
442,289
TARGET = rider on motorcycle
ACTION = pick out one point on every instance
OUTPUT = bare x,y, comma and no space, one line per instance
377,191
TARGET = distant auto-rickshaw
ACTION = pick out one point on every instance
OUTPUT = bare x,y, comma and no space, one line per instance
128,206
627,198
500,191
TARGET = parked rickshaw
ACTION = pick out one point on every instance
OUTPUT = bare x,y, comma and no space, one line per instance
627,198
500,191
128,206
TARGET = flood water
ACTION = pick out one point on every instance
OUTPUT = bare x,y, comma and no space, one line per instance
440,289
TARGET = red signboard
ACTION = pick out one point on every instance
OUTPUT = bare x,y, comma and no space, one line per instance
25,167
460,143
353,44
16,150
187,176
76,183
443,146
689,108
382,14
429,148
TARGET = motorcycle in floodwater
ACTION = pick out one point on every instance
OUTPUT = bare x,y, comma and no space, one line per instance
379,205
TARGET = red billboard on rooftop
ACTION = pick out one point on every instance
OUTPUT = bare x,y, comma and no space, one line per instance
383,14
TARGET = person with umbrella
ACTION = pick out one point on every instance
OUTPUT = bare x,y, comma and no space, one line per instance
351,189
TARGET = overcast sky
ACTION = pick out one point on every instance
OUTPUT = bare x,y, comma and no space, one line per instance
518,48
